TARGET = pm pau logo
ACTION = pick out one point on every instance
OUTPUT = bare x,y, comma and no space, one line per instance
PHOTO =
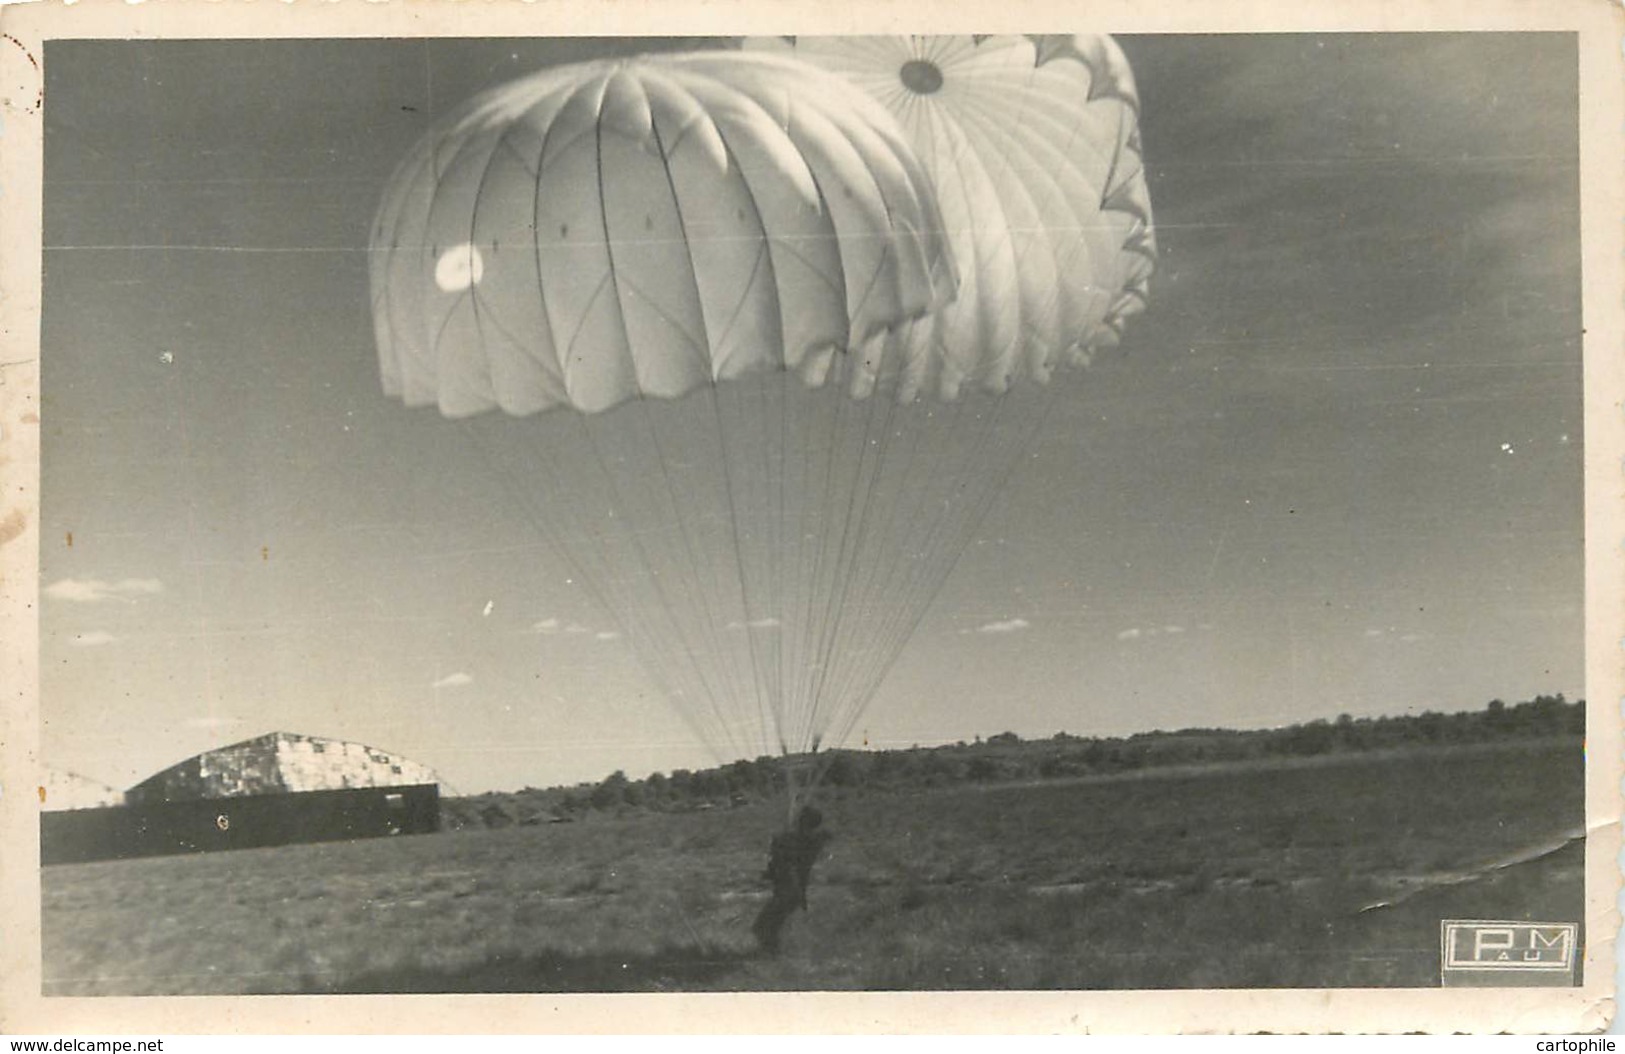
1512,953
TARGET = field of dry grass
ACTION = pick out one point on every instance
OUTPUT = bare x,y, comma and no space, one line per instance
1257,875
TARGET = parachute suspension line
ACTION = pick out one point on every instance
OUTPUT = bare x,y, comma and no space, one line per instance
844,623
808,497
774,555
858,502
824,535
809,534
597,583
872,545
651,572
909,551
774,406
920,578
739,421
795,501
521,490
998,463
689,575
909,487
746,616
923,577
813,767
817,532
803,774
657,635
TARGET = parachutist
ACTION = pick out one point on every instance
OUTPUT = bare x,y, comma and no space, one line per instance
790,862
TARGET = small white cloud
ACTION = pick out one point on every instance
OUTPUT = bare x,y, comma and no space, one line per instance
91,638
607,634
94,590
489,605
1411,638
1013,625
1373,633
453,680
755,623
553,627
1132,633
1173,629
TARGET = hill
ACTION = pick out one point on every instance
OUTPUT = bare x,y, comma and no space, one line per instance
1007,758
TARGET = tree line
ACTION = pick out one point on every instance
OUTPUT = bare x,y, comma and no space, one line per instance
1007,757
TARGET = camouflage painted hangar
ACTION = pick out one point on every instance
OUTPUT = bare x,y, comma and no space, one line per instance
275,789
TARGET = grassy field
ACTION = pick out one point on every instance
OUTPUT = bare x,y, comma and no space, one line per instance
1259,875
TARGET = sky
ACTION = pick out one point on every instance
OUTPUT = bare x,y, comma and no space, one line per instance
1335,468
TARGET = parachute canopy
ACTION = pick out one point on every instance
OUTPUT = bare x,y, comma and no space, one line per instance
706,265
1033,147
620,229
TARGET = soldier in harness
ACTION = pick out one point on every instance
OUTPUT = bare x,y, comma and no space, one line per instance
790,861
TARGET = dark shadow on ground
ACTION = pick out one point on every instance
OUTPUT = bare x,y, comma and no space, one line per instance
671,969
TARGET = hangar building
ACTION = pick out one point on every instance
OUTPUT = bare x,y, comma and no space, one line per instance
274,789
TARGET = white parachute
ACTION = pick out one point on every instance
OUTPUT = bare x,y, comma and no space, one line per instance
767,330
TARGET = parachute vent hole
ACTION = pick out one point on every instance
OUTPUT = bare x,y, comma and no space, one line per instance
920,77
